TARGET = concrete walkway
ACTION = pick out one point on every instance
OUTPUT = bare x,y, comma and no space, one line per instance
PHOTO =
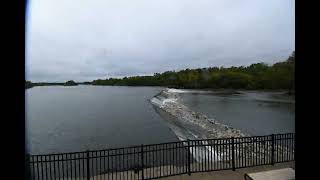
238,174
229,174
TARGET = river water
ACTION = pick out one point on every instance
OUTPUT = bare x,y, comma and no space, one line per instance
77,118
253,112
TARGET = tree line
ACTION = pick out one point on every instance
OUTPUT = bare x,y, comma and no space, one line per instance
29,84
280,75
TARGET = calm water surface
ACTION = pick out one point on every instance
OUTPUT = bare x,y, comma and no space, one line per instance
63,119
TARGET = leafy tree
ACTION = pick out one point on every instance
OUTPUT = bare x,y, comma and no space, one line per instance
70,83
255,76
28,84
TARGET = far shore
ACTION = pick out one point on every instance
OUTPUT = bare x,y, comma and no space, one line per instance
222,90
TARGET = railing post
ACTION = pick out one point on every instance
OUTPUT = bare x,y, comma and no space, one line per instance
88,165
294,146
233,158
188,157
272,149
27,167
142,164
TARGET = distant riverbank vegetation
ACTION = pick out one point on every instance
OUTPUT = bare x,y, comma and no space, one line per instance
29,84
280,75
70,83
256,76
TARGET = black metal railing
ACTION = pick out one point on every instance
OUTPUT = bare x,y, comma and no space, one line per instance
163,160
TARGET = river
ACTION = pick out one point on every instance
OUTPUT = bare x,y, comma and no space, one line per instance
78,118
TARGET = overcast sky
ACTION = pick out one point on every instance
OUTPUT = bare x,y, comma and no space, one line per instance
115,38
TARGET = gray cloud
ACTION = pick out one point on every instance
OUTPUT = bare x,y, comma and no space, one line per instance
93,39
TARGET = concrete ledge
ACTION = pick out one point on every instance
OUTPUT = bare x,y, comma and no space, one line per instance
278,174
238,174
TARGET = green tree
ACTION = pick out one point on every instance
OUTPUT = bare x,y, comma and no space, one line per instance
255,76
70,83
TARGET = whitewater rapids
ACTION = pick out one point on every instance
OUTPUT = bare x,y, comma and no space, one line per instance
187,124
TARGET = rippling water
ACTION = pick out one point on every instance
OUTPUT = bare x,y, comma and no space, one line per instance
253,112
63,119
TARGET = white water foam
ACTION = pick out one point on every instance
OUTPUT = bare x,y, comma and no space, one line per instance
171,90
160,101
187,124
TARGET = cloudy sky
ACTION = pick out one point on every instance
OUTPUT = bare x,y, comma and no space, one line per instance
90,39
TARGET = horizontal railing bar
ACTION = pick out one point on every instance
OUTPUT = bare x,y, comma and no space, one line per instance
91,157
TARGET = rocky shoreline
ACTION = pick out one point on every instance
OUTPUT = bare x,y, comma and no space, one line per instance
206,127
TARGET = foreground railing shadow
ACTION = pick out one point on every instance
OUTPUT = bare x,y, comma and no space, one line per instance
165,159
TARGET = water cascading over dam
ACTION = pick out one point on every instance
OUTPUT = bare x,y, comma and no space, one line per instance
187,124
